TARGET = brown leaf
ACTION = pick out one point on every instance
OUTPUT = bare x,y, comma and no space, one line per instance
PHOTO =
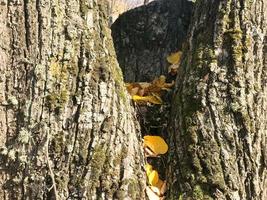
141,92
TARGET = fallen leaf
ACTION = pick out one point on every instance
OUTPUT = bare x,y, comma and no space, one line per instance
153,178
159,84
134,91
163,188
152,99
133,88
148,169
175,58
150,91
141,92
144,85
157,188
156,144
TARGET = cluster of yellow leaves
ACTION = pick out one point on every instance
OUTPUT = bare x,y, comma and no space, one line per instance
157,186
154,146
174,59
143,92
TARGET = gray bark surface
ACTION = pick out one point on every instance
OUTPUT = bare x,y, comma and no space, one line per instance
67,130
219,113
145,36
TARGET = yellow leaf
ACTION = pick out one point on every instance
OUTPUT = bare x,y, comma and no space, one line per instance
175,58
157,188
152,99
148,169
153,177
156,144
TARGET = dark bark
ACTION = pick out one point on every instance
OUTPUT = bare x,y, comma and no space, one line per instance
145,36
218,127
67,128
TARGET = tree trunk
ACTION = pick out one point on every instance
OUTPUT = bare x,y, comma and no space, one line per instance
145,36
217,129
67,128
219,120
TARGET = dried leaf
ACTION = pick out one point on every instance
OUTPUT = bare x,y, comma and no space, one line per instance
157,188
152,99
163,188
144,85
137,88
141,92
175,58
159,84
150,91
153,177
134,91
156,144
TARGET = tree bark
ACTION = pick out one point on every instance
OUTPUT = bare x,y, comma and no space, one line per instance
219,112
67,128
217,131
145,36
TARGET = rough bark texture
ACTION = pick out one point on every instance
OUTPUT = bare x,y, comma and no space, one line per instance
219,120
145,36
67,128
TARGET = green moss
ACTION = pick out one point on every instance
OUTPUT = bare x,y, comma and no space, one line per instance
181,197
57,100
196,163
72,68
248,122
233,41
84,7
118,78
197,193
58,143
51,100
117,160
235,33
62,181
97,162
133,188
120,194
